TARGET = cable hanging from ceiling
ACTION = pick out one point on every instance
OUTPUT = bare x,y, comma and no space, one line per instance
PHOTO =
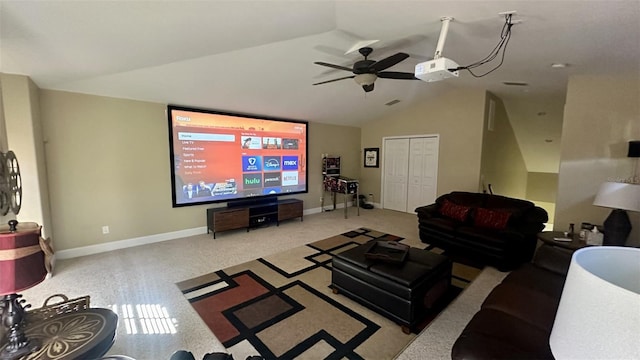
505,36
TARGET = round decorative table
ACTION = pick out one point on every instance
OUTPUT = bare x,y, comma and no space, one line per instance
84,334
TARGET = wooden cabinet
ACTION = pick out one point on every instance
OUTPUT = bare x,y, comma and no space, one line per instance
289,209
222,219
252,215
230,219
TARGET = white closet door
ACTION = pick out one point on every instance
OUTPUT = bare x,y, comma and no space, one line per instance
396,172
410,172
423,172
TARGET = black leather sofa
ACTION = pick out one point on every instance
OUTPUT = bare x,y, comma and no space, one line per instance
516,318
493,229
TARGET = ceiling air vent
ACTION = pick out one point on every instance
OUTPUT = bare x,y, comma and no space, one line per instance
515,83
392,102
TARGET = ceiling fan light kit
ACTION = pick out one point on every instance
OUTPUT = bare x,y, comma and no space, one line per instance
365,79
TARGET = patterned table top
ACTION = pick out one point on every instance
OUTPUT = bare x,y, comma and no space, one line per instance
85,334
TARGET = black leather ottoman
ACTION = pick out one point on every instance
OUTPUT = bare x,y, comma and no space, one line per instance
401,292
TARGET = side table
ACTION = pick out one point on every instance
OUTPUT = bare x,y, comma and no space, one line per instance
576,243
84,334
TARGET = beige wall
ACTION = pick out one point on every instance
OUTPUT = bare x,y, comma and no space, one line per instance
3,147
542,188
24,137
457,116
601,115
108,164
502,163
343,141
3,128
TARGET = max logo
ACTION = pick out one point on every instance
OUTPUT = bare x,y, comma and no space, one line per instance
290,163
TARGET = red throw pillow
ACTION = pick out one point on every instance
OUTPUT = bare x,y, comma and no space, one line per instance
454,211
494,219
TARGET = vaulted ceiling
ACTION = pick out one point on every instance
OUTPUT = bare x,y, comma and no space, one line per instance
257,56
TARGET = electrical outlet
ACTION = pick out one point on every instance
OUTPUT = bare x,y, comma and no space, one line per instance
105,229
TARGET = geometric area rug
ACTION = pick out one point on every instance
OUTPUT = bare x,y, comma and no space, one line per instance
282,307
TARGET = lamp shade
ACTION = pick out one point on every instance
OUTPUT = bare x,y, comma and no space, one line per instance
22,261
621,196
599,312
634,149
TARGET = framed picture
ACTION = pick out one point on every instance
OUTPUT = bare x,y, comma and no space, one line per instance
371,157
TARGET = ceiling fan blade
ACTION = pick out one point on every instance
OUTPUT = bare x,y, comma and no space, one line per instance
328,81
388,62
368,88
333,66
397,75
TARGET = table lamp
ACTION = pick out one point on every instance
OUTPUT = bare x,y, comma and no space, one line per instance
599,312
634,149
620,197
634,152
22,265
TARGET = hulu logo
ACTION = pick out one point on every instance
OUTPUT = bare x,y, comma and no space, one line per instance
252,181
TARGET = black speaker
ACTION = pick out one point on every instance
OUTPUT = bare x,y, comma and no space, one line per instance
634,149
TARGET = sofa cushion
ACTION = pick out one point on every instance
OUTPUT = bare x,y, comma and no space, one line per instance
469,199
441,224
427,211
554,259
527,304
537,279
536,215
492,219
454,211
481,236
493,334
503,202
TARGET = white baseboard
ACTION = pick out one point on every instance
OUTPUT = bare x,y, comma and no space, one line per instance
143,240
127,243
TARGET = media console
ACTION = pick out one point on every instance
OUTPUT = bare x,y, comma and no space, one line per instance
248,214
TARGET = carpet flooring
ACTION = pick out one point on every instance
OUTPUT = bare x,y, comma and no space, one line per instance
281,306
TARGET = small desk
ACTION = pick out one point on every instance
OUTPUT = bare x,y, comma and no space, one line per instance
575,243
84,334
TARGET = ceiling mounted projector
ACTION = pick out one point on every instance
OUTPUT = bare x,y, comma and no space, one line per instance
440,67
436,69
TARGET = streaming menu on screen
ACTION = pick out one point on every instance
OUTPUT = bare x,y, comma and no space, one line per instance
220,156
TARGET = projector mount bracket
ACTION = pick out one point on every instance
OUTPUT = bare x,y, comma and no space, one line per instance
443,36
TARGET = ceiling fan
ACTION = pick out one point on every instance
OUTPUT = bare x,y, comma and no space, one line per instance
365,72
